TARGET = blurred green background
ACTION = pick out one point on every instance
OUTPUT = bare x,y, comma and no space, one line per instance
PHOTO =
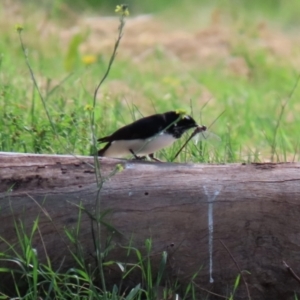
284,11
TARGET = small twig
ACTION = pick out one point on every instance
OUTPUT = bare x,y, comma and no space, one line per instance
202,107
290,270
218,117
212,293
239,269
196,131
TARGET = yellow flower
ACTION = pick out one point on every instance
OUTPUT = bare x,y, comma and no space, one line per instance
122,10
19,27
88,107
89,59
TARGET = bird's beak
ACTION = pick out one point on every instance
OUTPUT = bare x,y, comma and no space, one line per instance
193,126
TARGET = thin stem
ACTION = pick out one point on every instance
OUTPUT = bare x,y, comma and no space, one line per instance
283,106
196,131
112,58
238,267
35,83
291,271
209,292
99,179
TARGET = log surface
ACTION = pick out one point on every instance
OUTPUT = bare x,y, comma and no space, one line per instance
187,210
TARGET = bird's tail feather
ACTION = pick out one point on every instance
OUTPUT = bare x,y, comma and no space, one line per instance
101,152
104,139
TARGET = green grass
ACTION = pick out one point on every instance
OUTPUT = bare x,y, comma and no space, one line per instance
30,278
159,83
251,103
254,81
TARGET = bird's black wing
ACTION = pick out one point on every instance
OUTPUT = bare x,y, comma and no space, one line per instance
141,129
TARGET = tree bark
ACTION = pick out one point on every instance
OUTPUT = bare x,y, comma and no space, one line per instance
214,220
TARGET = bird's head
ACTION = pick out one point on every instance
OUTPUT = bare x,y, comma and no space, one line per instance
186,122
181,123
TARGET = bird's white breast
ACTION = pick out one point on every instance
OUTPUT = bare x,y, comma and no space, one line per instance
122,148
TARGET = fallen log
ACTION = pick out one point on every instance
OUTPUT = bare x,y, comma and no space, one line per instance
217,220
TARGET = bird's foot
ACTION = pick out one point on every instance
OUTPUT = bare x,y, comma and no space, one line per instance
144,157
153,158
137,157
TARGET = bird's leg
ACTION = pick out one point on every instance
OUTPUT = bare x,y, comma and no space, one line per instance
153,158
137,157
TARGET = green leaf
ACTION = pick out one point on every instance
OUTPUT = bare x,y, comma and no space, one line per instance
133,292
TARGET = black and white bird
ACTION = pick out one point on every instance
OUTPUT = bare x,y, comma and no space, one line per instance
147,135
